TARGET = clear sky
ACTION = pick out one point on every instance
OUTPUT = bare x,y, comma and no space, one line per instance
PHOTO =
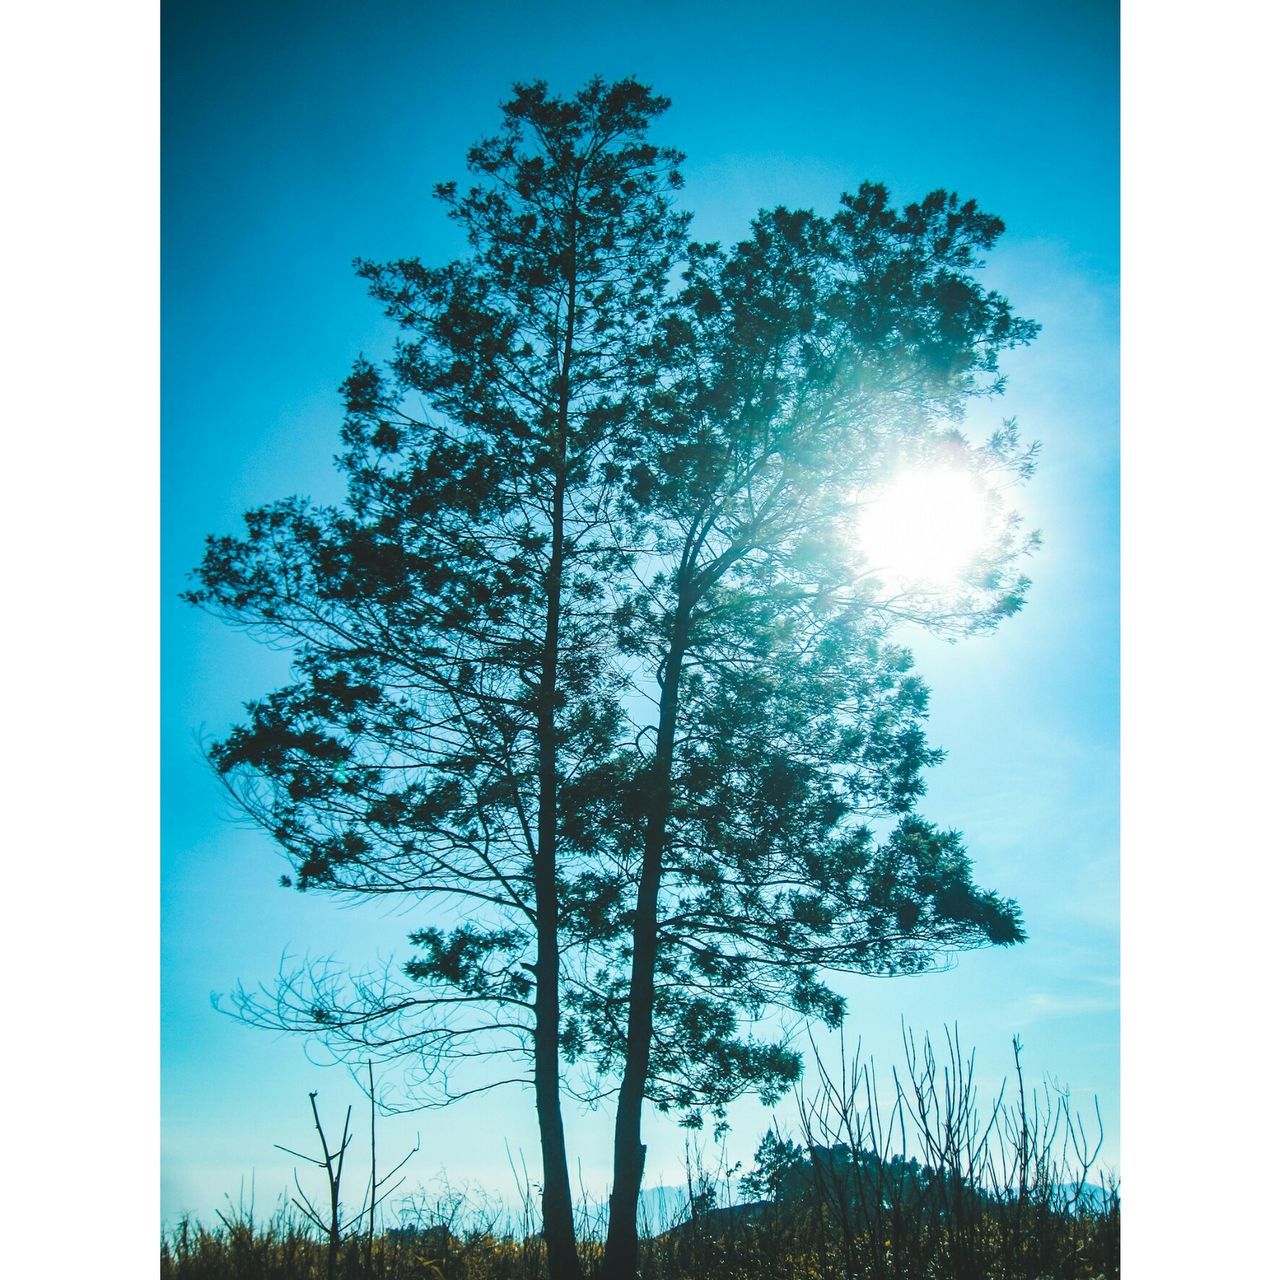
298,136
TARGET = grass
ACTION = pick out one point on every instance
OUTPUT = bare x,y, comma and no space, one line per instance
919,1182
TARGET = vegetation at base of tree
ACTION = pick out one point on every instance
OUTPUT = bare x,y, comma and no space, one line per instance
1003,1189
1083,1246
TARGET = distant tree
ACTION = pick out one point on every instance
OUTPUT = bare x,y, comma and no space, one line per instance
451,712
797,371
779,1174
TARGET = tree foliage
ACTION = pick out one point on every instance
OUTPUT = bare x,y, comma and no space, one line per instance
452,693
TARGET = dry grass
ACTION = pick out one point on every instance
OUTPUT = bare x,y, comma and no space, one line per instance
921,1182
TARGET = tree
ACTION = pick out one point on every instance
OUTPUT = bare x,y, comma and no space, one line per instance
575,487
799,369
450,696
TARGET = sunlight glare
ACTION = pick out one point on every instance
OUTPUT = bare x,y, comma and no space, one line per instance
925,527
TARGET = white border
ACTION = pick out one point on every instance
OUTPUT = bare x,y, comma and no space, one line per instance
1200,290
79,98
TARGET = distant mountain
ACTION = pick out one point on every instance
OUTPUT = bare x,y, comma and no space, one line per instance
662,1208
1093,1198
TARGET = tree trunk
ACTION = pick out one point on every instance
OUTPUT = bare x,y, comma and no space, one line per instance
557,1195
557,1198
622,1244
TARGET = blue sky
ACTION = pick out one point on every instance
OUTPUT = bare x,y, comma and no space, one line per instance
297,137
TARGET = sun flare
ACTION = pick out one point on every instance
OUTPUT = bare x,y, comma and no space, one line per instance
924,528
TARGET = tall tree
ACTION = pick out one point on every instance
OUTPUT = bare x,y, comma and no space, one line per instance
612,495
450,698
801,368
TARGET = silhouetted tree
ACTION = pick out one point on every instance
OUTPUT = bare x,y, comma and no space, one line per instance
799,369
577,489
451,696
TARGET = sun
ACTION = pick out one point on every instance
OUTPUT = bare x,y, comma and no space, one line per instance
924,528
